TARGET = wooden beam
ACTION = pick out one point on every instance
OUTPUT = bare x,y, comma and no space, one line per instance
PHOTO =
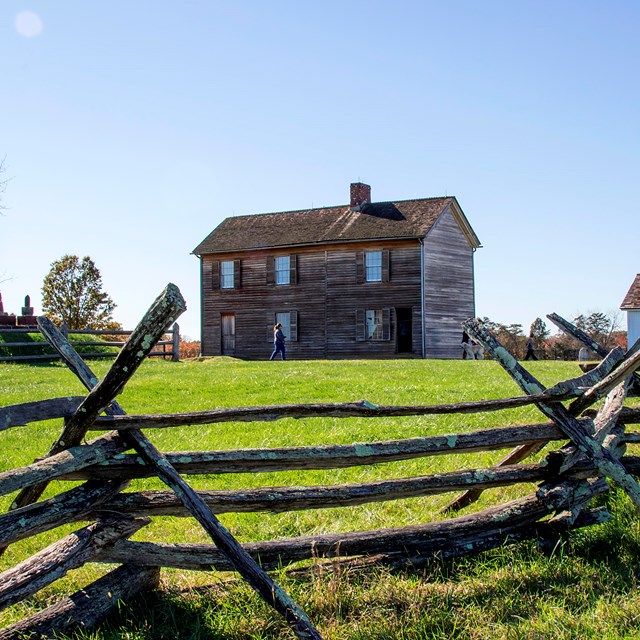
430,539
87,607
325,456
18,415
65,507
54,562
68,461
361,408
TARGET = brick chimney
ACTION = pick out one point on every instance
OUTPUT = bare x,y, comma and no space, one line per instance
360,196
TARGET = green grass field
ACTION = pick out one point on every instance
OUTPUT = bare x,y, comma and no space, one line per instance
586,588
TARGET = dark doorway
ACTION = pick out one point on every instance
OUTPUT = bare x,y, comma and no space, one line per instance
404,331
228,321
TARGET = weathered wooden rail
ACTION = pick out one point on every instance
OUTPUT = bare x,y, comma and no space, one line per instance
591,449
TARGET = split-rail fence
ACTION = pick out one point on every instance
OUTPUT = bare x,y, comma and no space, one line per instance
590,451
168,346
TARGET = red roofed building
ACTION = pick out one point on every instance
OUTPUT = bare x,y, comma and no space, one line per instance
631,304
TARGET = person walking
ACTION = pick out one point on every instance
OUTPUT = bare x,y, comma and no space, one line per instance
278,342
530,355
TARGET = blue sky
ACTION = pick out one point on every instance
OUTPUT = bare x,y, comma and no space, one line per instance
131,129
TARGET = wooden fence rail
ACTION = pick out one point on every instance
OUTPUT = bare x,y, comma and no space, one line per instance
590,447
168,347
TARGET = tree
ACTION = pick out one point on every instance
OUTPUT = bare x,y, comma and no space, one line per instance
600,326
539,332
72,294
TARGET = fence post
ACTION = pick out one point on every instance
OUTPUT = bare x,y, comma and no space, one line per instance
64,330
176,342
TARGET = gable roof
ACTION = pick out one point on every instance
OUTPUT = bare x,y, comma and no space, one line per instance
632,299
376,221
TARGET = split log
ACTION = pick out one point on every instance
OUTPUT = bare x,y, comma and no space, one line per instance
54,562
429,538
607,464
361,408
545,531
590,378
65,507
86,607
95,452
279,499
325,456
18,415
521,452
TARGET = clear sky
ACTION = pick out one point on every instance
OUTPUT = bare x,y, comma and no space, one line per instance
131,129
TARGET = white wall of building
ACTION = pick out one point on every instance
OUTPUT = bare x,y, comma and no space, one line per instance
633,326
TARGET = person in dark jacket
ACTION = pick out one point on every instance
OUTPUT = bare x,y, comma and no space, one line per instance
530,355
278,342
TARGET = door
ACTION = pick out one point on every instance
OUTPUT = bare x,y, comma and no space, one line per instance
228,321
404,330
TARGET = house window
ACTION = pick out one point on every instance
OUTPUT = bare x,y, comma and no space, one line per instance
373,266
289,322
283,270
373,320
284,319
226,274
373,325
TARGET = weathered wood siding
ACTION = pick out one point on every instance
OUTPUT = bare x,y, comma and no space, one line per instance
326,296
448,287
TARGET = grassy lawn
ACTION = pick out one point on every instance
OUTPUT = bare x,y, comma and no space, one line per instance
585,588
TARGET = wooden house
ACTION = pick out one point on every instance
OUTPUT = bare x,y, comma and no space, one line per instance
631,304
363,280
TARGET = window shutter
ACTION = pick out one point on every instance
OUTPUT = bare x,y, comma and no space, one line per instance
359,267
386,324
271,270
293,269
271,320
237,276
360,325
215,274
386,271
293,326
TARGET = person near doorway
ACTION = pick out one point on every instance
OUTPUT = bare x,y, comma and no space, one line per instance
278,342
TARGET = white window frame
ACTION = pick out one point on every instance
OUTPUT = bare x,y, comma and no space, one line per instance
227,275
284,318
373,266
374,324
282,269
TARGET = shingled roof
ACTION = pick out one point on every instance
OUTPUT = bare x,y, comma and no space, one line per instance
376,221
632,299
